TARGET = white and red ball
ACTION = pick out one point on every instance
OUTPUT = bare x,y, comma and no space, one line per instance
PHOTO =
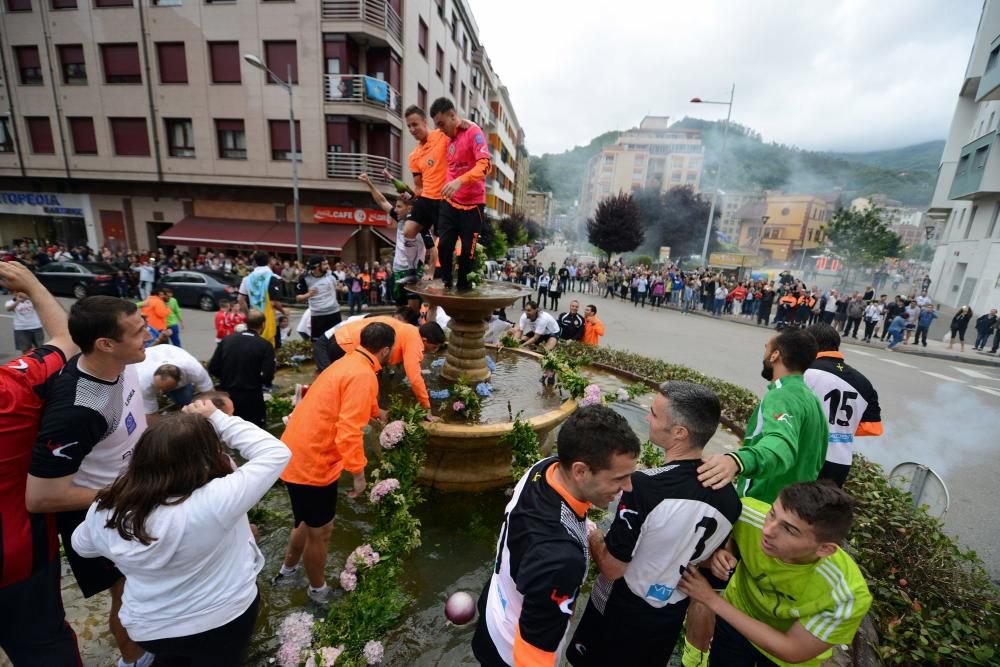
460,608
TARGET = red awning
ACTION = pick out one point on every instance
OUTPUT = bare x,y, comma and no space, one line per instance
216,232
388,234
322,238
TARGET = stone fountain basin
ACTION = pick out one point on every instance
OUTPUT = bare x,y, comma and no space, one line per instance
470,458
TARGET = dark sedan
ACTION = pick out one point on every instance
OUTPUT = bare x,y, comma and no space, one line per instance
78,279
200,289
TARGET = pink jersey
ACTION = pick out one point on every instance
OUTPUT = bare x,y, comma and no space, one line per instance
467,147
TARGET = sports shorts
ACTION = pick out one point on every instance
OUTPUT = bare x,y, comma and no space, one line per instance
425,213
93,575
314,505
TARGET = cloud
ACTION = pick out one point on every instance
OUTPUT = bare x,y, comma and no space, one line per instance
852,75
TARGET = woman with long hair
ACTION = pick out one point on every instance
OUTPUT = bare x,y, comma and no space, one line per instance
959,324
175,524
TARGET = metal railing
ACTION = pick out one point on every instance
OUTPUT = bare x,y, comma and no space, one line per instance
362,89
376,12
352,165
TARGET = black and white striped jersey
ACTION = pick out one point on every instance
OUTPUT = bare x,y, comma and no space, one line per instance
849,400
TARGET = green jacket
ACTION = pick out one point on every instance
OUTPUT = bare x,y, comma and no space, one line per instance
175,312
785,441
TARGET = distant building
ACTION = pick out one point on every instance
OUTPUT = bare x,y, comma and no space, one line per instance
966,202
729,205
908,223
795,224
539,207
653,155
505,136
521,177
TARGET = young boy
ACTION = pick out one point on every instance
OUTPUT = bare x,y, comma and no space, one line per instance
793,592
408,258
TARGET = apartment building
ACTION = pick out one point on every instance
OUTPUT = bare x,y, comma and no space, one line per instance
729,205
539,207
783,228
653,155
139,122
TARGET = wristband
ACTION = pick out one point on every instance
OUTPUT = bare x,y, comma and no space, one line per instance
737,459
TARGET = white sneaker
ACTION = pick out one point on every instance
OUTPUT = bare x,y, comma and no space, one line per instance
319,596
285,579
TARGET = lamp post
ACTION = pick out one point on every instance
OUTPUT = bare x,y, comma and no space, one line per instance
287,85
718,173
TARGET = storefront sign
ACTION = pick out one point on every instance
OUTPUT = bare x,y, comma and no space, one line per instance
350,216
29,198
62,210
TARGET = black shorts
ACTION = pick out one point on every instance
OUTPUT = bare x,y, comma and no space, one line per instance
93,575
315,505
425,213
626,635
33,627
544,338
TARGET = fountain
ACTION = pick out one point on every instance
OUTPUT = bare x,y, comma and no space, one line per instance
469,457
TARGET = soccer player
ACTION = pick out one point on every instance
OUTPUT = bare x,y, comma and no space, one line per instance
794,592
33,627
173,371
429,165
536,327
465,192
261,291
325,436
409,253
541,558
90,425
667,521
571,323
593,327
850,400
318,286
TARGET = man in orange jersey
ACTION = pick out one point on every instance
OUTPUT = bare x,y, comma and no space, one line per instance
325,436
411,342
593,327
429,165
463,208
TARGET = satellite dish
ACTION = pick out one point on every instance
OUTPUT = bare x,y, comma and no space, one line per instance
925,485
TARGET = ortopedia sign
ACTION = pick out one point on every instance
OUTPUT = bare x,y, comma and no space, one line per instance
41,203
350,216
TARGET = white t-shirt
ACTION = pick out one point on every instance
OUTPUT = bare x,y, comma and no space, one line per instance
192,372
924,301
543,324
25,317
305,323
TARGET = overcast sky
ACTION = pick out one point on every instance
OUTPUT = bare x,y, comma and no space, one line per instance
852,75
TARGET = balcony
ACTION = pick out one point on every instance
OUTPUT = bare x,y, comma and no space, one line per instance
976,173
351,165
376,19
361,95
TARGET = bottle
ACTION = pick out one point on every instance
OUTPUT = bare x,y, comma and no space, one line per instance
401,187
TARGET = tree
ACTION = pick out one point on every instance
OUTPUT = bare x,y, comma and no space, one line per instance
676,218
533,229
862,239
513,227
921,252
616,225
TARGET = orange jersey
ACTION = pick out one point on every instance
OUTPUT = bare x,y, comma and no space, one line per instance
593,329
408,350
155,311
429,160
324,432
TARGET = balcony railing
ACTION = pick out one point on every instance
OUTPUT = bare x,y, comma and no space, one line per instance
362,89
352,165
378,13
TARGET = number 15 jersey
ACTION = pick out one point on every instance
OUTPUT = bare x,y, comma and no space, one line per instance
849,400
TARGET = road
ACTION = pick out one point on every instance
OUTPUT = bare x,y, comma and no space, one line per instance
940,413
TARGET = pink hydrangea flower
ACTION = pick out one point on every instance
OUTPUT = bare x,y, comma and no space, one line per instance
392,434
295,634
591,396
383,488
458,406
328,655
374,652
348,580
311,661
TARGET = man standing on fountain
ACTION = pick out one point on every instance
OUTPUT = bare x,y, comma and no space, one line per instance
465,192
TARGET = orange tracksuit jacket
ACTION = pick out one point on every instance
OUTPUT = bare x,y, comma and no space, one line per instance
408,349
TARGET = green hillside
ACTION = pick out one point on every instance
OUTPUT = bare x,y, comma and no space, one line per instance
907,174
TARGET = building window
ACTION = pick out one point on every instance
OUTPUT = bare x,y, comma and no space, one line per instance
81,130
121,63
972,220
7,139
279,56
29,66
18,5
963,166
981,155
232,139
422,37
421,96
440,5
454,27
167,3
991,62
225,59
464,102
63,4
465,48
172,62
281,140
40,134
129,136
180,137
112,3
74,70
452,74
439,61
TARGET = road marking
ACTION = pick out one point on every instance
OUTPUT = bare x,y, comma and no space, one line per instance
988,390
943,377
898,363
862,353
974,374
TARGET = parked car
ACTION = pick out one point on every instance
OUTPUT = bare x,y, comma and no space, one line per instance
78,279
200,289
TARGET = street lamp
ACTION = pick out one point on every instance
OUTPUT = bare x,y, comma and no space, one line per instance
287,85
718,173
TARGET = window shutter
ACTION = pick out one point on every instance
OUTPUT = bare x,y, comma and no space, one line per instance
173,64
225,57
279,55
130,136
121,63
82,131
40,133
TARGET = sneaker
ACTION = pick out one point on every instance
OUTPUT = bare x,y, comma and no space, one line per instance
320,595
285,578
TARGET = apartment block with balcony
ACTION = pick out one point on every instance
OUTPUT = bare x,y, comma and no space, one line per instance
784,227
139,122
653,155
540,207
966,201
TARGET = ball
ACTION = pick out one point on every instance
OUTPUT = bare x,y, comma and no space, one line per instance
460,608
